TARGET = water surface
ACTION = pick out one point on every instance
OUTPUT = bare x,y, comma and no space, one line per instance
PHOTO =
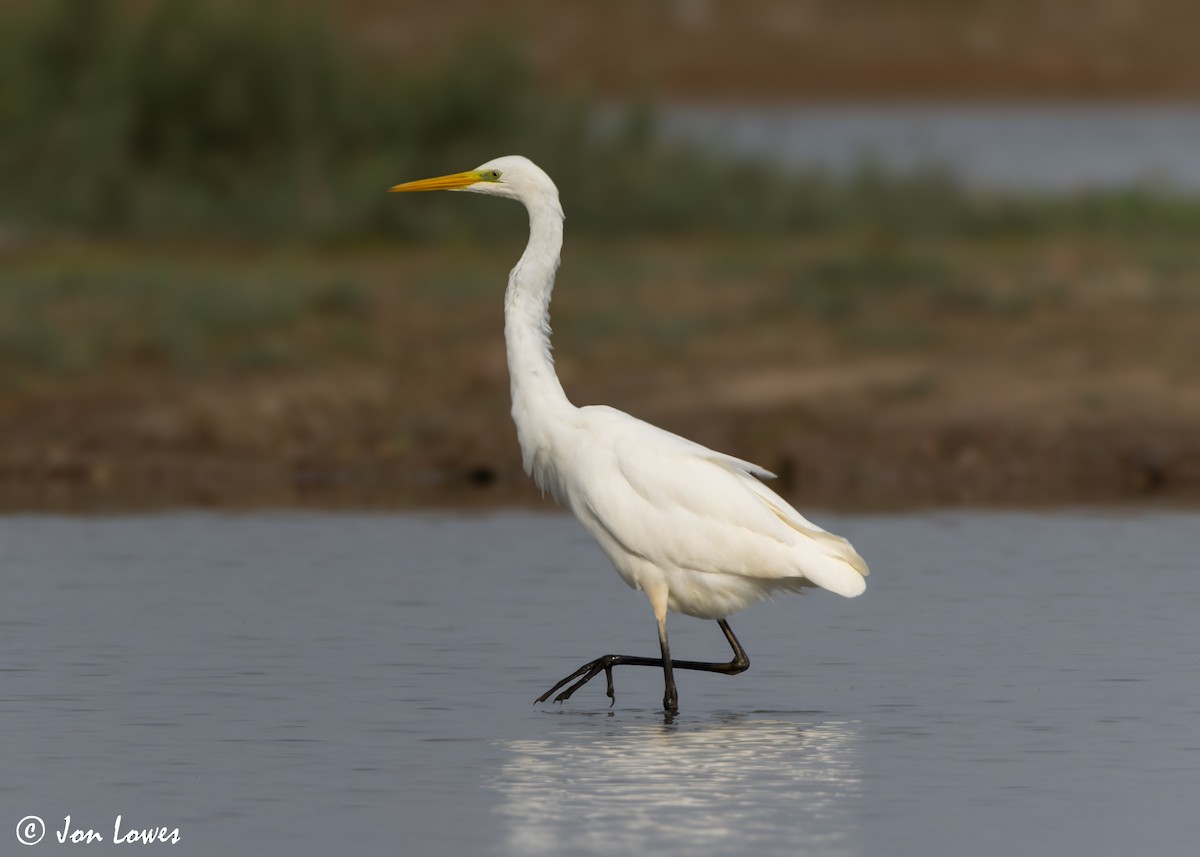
317,684
1052,147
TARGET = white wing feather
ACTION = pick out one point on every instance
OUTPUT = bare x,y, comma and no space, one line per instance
677,504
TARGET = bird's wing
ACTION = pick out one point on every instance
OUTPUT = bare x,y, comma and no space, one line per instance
673,501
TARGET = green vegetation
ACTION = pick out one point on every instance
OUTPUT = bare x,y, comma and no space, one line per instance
262,118
91,315
267,120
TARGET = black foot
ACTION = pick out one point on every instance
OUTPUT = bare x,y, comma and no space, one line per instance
584,674
671,701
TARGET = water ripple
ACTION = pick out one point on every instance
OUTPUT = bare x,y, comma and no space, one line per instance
720,787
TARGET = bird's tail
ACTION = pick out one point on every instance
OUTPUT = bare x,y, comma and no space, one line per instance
835,565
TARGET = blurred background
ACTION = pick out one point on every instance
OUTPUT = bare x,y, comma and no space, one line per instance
923,253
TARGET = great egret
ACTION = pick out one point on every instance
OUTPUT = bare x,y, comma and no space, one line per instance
691,527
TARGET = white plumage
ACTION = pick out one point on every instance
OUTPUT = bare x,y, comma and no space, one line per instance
691,527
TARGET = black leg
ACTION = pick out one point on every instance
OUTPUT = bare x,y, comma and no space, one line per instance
604,664
670,694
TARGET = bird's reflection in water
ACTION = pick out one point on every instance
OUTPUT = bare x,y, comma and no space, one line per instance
740,785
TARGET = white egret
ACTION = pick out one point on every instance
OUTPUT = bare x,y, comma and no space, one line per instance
693,528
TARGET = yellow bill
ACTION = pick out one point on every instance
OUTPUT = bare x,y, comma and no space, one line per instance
456,181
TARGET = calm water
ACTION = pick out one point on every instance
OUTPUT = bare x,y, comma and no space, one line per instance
1054,147
322,684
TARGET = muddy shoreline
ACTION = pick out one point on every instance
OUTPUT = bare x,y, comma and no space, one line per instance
842,461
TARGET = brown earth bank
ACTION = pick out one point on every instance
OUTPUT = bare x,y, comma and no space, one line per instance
820,49
332,442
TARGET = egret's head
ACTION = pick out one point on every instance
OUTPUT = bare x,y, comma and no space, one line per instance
511,176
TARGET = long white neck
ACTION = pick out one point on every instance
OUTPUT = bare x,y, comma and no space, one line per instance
539,404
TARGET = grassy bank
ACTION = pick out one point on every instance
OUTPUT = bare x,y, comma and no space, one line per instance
87,309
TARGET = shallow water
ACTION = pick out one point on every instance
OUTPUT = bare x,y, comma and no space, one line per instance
1027,147
319,684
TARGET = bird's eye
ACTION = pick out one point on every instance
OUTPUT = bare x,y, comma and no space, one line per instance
495,174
